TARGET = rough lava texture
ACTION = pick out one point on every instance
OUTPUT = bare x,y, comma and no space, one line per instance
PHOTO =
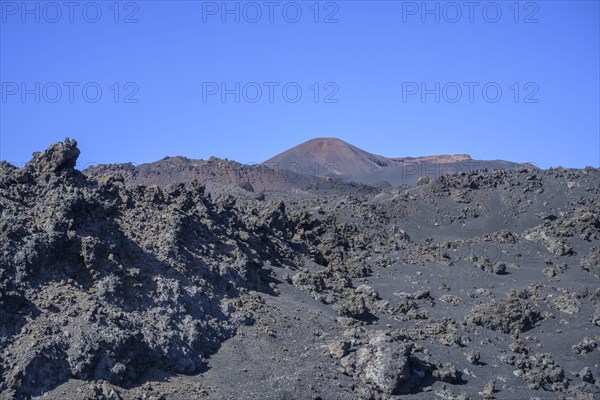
474,285
101,281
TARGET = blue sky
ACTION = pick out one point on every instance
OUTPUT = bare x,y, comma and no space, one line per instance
142,80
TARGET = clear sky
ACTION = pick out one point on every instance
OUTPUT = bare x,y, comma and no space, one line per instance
139,80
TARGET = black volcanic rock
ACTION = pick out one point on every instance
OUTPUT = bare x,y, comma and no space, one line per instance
146,282
99,280
57,157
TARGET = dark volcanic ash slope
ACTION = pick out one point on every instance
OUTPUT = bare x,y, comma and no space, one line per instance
475,285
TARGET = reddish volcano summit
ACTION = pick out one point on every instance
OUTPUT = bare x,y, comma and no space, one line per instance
337,155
